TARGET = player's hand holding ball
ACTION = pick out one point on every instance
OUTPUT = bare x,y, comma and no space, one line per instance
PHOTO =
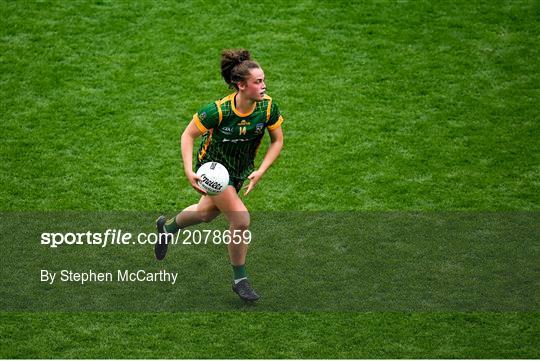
194,180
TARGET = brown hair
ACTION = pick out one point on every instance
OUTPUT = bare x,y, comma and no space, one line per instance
235,66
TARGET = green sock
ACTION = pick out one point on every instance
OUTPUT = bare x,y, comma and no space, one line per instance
239,272
171,226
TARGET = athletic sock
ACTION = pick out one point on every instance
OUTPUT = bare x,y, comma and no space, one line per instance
239,273
171,226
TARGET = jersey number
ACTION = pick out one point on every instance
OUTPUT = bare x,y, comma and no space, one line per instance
242,130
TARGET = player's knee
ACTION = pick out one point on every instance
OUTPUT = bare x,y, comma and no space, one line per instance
240,221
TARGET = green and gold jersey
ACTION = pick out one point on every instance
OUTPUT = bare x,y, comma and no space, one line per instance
232,138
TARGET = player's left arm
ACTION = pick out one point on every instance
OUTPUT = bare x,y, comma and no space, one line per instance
276,143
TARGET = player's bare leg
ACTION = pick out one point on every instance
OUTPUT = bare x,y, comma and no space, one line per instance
204,211
238,217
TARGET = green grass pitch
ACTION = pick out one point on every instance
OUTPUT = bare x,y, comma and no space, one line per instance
409,106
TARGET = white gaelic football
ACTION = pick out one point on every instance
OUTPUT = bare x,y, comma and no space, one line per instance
214,177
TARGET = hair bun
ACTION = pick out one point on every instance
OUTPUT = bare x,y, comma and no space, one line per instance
236,57
243,55
235,65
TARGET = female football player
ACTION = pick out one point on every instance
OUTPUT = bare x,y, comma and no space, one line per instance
232,129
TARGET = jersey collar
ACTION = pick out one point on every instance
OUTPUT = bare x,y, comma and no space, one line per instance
233,97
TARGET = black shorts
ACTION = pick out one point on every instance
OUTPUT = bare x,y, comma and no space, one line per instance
236,183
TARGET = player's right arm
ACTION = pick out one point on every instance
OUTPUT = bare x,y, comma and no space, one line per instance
205,119
186,144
